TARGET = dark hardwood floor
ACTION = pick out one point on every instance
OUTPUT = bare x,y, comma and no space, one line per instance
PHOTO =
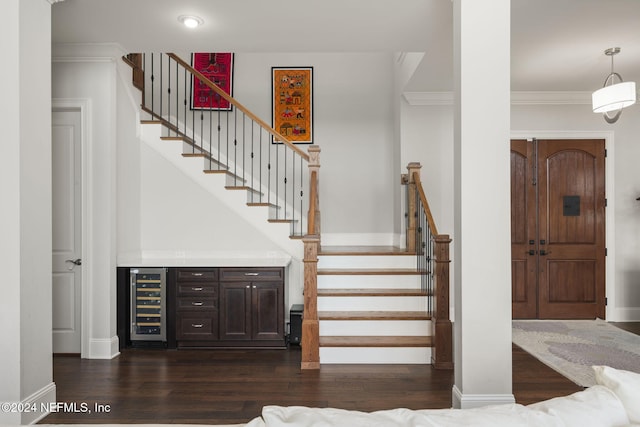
231,386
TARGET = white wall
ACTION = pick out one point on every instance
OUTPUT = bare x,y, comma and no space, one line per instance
91,76
25,250
353,119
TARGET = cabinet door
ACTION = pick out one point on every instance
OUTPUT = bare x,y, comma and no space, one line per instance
235,311
268,311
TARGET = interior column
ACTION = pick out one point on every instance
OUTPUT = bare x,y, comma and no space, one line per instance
482,287
25,218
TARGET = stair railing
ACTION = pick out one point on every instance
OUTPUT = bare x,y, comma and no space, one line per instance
253,156
235,142
432,253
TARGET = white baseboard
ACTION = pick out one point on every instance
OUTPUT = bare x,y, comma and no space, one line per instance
468,401
104,348
38,400
629,314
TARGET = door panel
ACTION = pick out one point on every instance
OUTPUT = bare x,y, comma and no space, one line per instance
66,233
523,226
571,232
558,201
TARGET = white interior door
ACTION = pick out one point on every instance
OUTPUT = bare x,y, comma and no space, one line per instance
67,227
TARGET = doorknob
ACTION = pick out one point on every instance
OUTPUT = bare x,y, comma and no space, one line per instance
77,261
543,252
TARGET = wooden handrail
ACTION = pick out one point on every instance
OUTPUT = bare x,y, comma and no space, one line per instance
442,328
239,106
425,203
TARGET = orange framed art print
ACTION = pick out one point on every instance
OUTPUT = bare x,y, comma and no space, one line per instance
292,103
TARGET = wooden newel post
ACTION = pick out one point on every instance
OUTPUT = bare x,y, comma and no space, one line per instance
310,325
411,205
442,352
314,187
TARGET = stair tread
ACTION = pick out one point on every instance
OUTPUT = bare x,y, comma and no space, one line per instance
374,315
243,187
363,250
372,271
376,341
265,204
371,292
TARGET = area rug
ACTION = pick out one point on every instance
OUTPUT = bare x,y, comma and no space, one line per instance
571,347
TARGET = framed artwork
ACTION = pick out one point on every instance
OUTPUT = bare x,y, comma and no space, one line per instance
292,103
217,67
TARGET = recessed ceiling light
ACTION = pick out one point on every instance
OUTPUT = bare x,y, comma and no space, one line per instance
191,21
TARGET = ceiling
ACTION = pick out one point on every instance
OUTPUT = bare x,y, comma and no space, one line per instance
556,45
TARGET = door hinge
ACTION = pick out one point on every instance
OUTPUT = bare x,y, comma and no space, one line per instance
605,152
606,301
605,202
606,252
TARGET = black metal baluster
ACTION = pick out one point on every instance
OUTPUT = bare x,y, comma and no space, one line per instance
269,175
177,101
252,162
244,149
277,180
302,197
152,85
285,182
218,156
260,163
293,196
201,146
235,148
169,94
210,132
193,150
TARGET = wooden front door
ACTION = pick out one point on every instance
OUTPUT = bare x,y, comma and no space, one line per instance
558,229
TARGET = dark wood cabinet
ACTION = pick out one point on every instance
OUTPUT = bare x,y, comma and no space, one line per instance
196,305
230,307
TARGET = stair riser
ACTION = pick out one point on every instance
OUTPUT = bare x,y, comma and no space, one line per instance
368,282
375,327
377,261
367,303
375,355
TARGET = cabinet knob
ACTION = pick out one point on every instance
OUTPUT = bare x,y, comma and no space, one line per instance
251,274
196,274
197,303
197,325
197,289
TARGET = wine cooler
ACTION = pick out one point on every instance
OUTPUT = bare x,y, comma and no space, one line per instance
148,304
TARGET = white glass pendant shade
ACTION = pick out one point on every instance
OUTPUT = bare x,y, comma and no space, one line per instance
614,97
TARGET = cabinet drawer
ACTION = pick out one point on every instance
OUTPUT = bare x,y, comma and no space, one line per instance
196,303
198,289
197,326
197,274
252,274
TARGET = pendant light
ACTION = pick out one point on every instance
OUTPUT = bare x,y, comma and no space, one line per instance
615,95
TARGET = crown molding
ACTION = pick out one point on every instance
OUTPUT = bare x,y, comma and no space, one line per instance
517,98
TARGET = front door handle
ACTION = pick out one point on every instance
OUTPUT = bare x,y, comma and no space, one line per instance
543,252
77,261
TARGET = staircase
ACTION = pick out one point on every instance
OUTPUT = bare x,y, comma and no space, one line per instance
371,307
361,305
